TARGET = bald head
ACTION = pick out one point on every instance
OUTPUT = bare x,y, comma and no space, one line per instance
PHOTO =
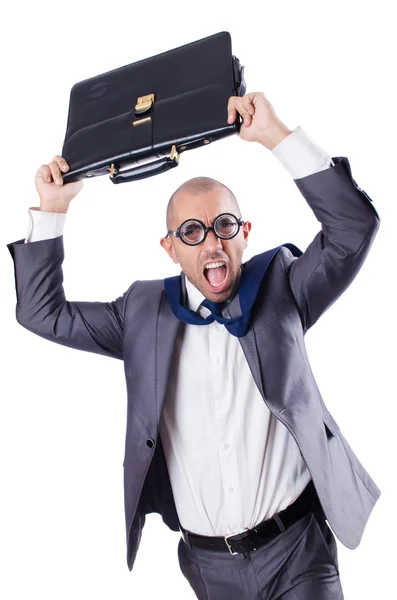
195,187
204,199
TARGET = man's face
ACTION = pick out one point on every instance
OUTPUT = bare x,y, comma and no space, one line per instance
217,283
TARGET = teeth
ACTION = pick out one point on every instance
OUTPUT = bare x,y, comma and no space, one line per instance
217,284
214,265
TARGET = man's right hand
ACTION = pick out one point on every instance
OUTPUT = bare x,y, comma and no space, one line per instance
54,196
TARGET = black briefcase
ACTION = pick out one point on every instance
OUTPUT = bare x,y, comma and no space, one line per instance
135,121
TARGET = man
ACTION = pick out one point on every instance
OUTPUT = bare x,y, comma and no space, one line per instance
228,437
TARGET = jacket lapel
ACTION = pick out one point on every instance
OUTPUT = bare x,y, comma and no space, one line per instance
247,343
167,331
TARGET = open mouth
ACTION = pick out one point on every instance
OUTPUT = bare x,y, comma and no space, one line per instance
216,273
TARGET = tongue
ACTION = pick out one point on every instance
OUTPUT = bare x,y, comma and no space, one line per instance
217,275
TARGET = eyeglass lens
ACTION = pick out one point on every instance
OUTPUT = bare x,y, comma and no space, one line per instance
225,227
192,232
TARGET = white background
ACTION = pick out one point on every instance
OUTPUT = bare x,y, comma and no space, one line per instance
329,67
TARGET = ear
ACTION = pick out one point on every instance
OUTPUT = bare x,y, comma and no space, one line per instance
246,229
168,246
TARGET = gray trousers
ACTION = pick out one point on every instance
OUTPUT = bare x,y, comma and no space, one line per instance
301,563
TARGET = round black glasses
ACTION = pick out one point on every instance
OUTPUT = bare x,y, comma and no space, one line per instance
192,231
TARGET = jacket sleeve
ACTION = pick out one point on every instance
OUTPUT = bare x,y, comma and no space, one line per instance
349,223
43,309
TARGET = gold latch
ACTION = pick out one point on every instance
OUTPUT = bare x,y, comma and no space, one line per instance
144,120
144,103
173,152
112,170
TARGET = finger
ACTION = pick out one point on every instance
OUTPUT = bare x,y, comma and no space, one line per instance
61,162
250,107
245,107
44,172
231,109
232,115
248,101
56,172
243,110
247,110
246,118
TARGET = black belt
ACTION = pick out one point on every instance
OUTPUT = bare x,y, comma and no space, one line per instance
251,539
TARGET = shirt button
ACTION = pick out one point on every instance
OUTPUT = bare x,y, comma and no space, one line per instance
218,327
227,446
231,490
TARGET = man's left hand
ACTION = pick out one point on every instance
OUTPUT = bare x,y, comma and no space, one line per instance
260,122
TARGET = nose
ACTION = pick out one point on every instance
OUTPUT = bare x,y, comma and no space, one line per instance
212,243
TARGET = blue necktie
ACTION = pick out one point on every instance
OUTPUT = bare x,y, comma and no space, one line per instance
214,307
250,282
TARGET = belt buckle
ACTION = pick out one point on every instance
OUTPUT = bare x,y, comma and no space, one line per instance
226,537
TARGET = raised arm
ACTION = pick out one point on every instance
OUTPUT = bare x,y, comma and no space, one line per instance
349,221
41,304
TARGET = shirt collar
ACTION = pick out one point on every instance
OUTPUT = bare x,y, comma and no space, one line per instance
194,296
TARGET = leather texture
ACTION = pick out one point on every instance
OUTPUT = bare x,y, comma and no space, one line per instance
191,85
263,532
139,328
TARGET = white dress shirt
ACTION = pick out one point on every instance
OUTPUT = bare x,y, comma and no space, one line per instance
231,462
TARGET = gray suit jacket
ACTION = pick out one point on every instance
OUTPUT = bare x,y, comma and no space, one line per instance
140,329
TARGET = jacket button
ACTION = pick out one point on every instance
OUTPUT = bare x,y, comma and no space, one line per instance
150,443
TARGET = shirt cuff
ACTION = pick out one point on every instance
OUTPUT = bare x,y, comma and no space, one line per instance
44,225
301,155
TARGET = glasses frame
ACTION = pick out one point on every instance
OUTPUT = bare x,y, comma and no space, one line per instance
177,234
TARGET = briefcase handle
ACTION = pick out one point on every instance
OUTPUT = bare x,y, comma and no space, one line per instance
147,169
